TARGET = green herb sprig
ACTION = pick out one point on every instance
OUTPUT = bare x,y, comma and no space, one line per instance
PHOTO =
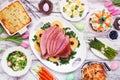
46,25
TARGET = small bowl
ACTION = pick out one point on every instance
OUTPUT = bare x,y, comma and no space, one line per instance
113,34
8,69
89,26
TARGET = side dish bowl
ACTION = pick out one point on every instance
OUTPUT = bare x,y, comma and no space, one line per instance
16,61
94,70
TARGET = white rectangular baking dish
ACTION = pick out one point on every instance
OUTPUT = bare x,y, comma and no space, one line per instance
22,30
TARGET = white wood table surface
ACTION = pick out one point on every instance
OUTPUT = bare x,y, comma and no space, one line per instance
93,4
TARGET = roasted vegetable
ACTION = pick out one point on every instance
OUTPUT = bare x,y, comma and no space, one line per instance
43,73
107,51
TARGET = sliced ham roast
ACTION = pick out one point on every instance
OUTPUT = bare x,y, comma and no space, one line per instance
43,42
54,43
50,40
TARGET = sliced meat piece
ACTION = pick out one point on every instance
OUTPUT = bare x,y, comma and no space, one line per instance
59,37
58,43
44,39
66,53
63,47
51,39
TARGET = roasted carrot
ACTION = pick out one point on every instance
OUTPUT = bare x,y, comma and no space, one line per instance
103,12
42,76
96,21
108,16
97,15
47,73
41,79
107,24
100,29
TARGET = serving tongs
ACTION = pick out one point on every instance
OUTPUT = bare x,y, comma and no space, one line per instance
30,7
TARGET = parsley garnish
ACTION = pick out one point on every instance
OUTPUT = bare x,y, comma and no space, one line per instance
45,26
35,38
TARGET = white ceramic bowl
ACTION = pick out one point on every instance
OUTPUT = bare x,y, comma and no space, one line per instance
8,70
89,27
103,64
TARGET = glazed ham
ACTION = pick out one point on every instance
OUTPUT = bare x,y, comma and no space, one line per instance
43,42
54,43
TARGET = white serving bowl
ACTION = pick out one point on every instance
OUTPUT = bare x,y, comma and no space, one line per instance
89,27
103,64
9,70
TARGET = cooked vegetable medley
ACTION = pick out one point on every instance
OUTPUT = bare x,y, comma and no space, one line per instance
16,60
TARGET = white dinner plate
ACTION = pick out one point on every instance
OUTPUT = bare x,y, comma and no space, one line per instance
81,51
107,42
62,3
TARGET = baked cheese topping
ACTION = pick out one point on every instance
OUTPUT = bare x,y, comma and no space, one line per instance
14,17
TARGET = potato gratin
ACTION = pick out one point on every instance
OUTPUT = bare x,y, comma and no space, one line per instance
14,17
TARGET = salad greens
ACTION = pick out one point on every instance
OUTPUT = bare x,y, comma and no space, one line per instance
17,60
107,51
